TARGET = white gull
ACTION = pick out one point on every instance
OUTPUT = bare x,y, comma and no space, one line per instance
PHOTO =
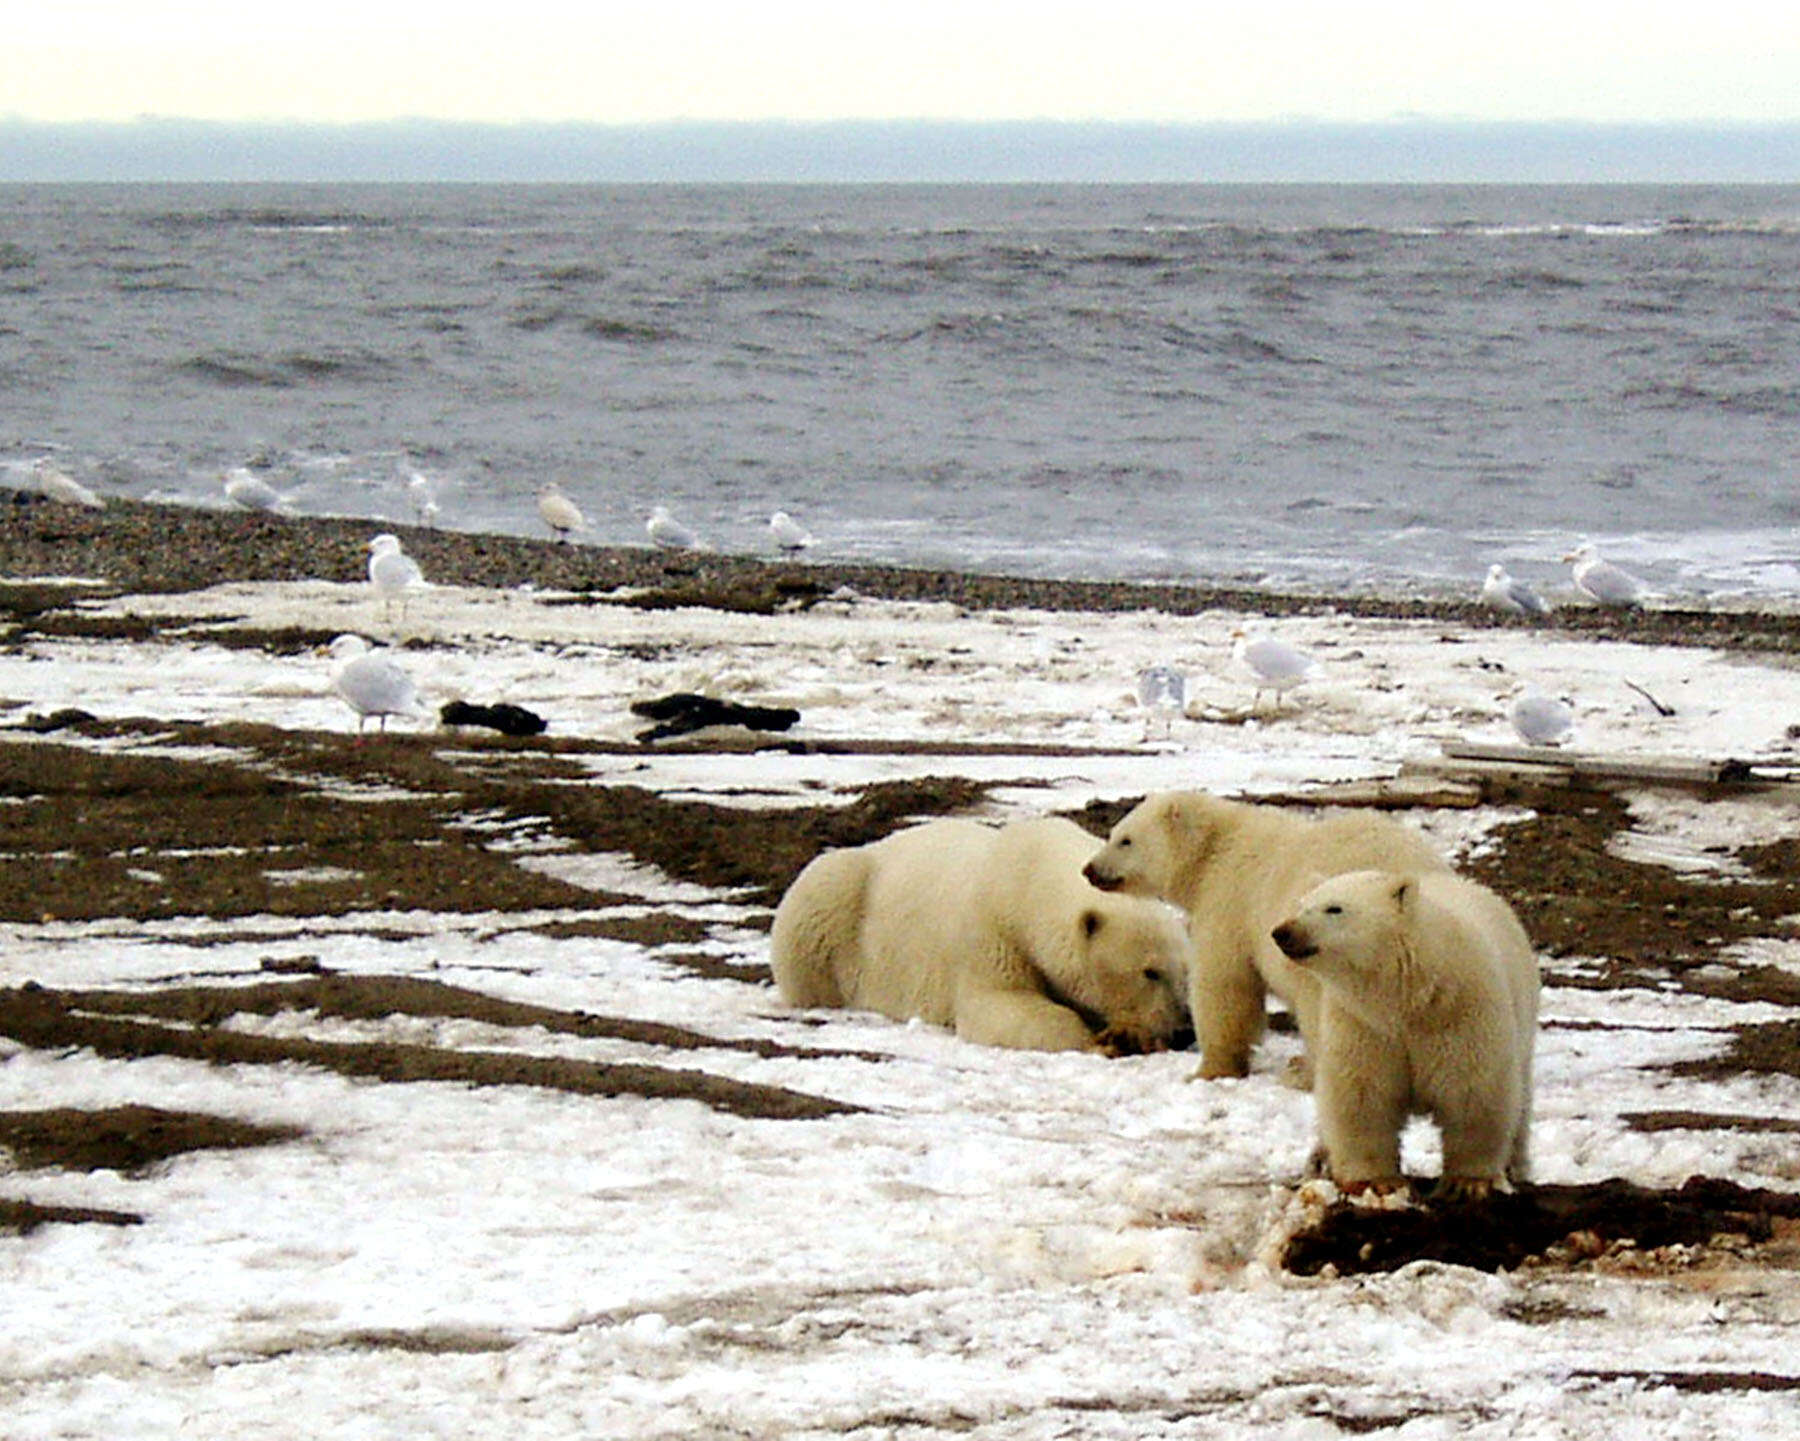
558,512
788,533
370,682
1273,664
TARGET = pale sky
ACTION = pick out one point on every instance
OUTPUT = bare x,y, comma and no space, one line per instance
649,60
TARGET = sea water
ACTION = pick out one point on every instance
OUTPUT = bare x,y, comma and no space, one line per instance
1317,386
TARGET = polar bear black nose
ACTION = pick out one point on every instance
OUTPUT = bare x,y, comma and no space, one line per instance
1293,944
1098,878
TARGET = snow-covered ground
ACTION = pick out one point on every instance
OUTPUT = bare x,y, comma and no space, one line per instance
998,1244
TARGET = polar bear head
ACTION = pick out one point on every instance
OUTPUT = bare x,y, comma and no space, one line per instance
1158,842
1352,929
1130,979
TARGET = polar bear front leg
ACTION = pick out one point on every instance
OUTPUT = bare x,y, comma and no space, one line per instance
1227,1001
1360,1088
1479,1143
1022,1020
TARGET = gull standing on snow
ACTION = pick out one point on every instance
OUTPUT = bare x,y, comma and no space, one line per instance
59,485
249,491
370,682
1502,592
1162,692
1602,581
558,512
393,573
1273,664
788,533
1540,719
668,533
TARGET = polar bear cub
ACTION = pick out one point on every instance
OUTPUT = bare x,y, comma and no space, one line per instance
1237,868
992,931
1428,1005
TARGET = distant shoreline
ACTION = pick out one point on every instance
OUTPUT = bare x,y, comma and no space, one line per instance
1405,150
138,546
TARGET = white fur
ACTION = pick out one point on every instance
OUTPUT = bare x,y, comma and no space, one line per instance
1236,869
1428,1006
991,931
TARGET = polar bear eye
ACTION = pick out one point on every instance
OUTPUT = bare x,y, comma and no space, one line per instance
1124,841
1334,909
1152,974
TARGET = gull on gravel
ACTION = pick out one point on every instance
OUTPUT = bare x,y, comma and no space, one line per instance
669,533
370,682
558,512
788,533
249,491
1540,719
393,574
1273,665
1503,592
1600,580
58,485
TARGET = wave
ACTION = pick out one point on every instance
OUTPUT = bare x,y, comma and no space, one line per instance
295,369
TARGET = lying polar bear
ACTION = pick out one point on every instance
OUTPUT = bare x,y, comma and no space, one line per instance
992,931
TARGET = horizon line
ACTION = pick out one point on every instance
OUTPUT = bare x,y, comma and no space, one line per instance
1397,149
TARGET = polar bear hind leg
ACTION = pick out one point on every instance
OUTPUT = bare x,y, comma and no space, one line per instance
815,941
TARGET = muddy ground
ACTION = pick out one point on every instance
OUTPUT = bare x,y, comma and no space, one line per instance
90,834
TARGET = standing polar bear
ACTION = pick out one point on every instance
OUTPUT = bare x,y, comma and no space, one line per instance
1237,869
990,930
1429,1002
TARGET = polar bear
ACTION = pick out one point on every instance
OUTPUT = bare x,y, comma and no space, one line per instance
1236,869
1428,1005
990,930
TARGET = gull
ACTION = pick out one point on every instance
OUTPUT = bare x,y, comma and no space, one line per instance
1162,692
560,513
1540,719
1602,581
421,490
788,533
669,533
392,572
1273,664
245,488
1502,592
370,682
59,485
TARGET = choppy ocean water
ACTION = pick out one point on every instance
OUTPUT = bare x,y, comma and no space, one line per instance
1373,387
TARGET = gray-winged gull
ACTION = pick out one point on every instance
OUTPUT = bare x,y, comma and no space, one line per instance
370,682
1541,720
669,533
1162,692
1602,581
1503,592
